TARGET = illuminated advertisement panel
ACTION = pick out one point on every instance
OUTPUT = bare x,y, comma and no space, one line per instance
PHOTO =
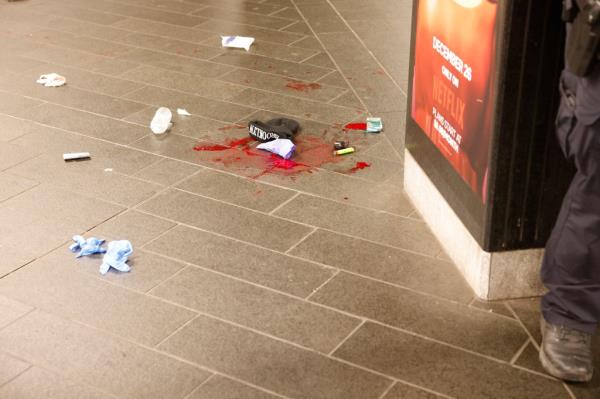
453,89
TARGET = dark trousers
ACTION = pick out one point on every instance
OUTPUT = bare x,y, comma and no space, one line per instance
571,266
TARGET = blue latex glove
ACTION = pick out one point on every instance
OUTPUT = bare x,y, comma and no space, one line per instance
87,247
116,256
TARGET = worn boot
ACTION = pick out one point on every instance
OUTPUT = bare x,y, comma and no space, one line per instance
566,354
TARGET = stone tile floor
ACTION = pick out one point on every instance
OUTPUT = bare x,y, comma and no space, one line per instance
250,279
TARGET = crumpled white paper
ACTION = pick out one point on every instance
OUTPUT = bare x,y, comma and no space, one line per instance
161,121
282,147
52,80
183,112
237,42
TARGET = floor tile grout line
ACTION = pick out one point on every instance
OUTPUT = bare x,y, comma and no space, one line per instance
519,352
290,249
30,54
323,265
129,4
283,29
249,14
147,347
33,308
158,9
365,46
543,375
14,377
203,383
299,40
124,95
254,108
145,168
437,341
533,341
329,54
59,373
569,390
22,192
388,390
273,14
235,278
178,329
197,194
421,388
293,297
284,203
291,342
303,61
339,96
470,305
347,337
323,284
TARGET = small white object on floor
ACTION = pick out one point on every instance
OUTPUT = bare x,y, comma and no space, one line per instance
237,42
52,80
71,156
161,121
282,147
108,169
183,112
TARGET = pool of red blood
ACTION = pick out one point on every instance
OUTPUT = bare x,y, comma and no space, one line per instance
311,152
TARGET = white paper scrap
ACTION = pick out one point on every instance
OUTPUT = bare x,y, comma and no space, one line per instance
237,42
52,80
181,111
70,156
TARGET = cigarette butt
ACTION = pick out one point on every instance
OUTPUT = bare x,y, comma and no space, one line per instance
71,156
344,151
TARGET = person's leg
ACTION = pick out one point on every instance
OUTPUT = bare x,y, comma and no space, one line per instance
571,266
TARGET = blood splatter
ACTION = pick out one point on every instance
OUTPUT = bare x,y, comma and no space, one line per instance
359,166
356,126
380,71
224,147
214,147
305,87
240,142
311,152
286,164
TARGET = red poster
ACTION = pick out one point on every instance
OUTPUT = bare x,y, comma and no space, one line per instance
453,90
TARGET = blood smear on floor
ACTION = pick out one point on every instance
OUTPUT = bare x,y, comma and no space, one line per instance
299,86
360,166
356,126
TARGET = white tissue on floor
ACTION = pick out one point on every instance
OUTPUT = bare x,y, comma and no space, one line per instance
237,42
52,80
